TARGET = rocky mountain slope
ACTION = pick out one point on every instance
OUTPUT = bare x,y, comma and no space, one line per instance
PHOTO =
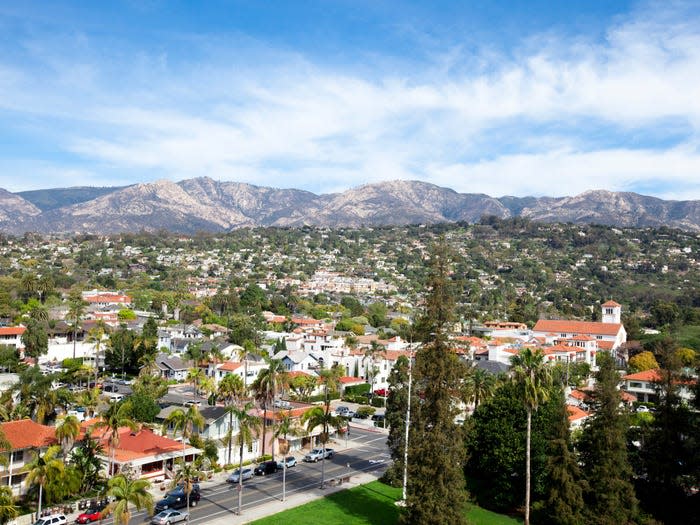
203,204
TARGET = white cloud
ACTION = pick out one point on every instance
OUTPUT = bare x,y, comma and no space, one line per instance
311,126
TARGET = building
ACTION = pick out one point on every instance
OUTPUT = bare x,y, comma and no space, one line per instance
12,336
26,439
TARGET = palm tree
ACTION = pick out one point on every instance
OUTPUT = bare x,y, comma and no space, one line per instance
8,509
247,426
66,432
76,309
186,472
231,389
195,376
44,285
284,429
128,492
90,399
28,283
321,416
478,385
184,421
43,468
531,374
268,384
118,415
95,337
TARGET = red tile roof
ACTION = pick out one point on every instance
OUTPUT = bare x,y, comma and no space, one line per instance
347,380
108,298
25,433
576,327
611,304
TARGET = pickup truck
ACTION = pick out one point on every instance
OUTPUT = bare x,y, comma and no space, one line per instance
317,454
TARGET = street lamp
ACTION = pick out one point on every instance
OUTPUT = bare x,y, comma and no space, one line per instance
402,503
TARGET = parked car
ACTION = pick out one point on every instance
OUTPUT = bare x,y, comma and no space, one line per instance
342,410
377,417
317,454
234,476
54,519
265,468
177,500
291,461
169,516
90,515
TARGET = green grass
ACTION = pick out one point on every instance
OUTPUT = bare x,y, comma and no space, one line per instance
370,504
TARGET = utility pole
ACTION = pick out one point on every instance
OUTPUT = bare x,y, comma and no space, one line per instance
408,424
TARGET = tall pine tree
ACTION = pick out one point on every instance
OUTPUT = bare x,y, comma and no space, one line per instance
396,405
564,503
436,484
610,498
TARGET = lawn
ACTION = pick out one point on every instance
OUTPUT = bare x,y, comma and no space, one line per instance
370,504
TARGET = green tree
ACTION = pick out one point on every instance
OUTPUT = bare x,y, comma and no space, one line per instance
396,407
8,510
144,407
186,422
35,339
86,459
126,492
667,472
43,468
531,374
610,498
436,491
564,499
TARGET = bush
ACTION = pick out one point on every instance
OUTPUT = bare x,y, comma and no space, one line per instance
356,390
322,397
377,401
365,412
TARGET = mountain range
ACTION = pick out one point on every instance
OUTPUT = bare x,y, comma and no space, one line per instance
203,204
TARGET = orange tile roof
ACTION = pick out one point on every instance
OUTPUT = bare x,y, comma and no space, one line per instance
606,345
575,413
230,366
108,298
578,394
133,445
647,375
25,433
12,330
576,327
296,373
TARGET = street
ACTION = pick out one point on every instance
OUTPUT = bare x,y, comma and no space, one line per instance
367,453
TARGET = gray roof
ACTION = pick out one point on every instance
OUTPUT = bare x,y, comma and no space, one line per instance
493,367
165,361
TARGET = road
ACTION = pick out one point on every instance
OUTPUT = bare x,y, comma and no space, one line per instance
368,453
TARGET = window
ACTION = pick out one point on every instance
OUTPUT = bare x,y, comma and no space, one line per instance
598,336
635,384
562,335
608,311
17,456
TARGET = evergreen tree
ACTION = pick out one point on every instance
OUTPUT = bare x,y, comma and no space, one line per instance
564,502
667,472
436,485
610,498
35,339
396,405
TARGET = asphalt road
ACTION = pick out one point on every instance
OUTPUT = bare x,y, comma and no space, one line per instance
370,454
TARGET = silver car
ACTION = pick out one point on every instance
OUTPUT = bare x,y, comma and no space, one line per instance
234,476
169,516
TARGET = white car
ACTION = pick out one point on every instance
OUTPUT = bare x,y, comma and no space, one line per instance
54,519
291,461
169,516
234,476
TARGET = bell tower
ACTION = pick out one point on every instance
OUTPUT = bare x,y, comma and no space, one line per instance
611,312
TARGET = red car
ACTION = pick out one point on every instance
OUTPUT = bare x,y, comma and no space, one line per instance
89,515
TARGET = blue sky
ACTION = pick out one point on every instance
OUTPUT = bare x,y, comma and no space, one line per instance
504,98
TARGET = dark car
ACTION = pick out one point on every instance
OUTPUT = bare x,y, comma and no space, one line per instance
177,500
267,467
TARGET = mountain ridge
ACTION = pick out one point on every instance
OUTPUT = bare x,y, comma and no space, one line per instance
203,204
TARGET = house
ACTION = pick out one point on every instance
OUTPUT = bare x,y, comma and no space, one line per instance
97,299
142,453
577,416
610,330
643,385
171,367
12,336
297,361
26,438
